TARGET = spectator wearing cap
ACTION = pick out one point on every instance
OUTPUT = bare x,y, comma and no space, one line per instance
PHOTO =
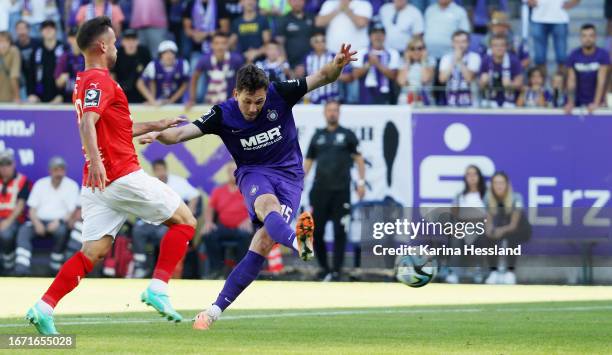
201,19
68,65
294,30
106,8
52,205
14,191
132,58
550,18
315,60
500,26
376,68
442,19
10,69
41,79
501,74
37,12
250,32
149,18
458,70
587,71
346,21
402,21
166,78
219,69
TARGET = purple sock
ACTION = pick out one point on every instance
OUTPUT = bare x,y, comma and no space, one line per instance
279,230
243,274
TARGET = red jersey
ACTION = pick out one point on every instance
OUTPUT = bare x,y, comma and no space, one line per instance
96,91
229,206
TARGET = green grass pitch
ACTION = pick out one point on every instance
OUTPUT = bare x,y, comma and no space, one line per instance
520,328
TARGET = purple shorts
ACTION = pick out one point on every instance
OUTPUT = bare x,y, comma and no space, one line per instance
255,184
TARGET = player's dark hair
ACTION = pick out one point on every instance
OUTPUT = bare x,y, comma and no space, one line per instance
251,78
587,26
91,30
459,33
160,161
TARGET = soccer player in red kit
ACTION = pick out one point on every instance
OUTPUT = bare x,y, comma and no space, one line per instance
114,185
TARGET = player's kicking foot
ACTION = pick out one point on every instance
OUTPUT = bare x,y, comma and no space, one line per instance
304,234
43,322
204,320
161,303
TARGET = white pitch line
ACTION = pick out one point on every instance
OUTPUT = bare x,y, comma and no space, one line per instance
103,320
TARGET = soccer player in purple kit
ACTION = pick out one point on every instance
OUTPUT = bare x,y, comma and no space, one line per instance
257,127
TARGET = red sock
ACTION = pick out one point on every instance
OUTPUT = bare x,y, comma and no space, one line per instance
68,278
172,249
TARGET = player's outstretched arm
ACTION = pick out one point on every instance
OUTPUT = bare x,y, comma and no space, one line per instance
332,70
172,135
140,128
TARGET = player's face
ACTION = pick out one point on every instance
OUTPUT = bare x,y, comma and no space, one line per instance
250,103
332,113
587,38
108,47
499,186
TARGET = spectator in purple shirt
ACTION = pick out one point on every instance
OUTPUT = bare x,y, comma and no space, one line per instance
165,78
587,70
501,74
68,65
376,69
219,67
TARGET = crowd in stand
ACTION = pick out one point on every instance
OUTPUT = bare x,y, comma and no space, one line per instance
425,52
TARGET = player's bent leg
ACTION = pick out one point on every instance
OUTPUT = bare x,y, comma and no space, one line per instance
268,210
67,279
181,228
239,279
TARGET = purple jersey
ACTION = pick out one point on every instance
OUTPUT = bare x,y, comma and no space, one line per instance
508,68
267,145
586,67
